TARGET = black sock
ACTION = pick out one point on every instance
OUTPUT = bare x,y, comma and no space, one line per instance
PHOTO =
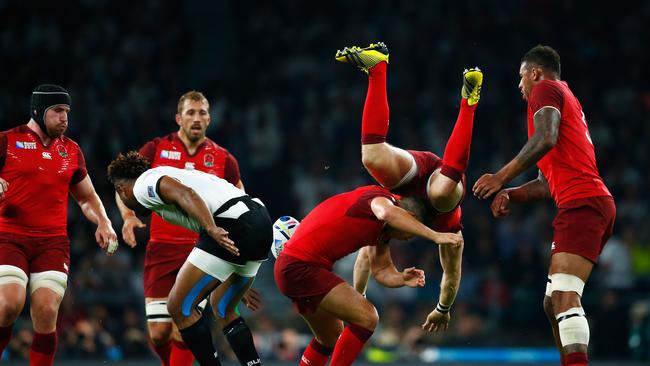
241,340
198,339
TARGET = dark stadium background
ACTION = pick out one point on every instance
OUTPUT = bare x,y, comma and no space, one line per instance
291,115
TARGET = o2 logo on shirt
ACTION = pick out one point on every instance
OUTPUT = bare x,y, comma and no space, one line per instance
171,155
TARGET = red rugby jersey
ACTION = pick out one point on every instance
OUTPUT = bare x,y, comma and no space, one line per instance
570,167
171,151
338,226
39,177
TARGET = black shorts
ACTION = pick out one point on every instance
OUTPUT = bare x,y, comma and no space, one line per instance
251,231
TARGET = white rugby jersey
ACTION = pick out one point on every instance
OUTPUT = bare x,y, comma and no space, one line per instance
213,190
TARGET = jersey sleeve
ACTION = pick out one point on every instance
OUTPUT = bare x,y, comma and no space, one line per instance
145,189
81,171
148,150
231,170
361,208
546,94
3,149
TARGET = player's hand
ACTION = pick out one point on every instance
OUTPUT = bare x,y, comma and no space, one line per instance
436,321
128,230
487,185
221,237
252,299
448,239
4,185
501,204
413,277
106,237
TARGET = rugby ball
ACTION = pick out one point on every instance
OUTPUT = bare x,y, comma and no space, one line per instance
283,228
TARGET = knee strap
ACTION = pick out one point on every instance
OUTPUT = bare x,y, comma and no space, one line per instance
567,282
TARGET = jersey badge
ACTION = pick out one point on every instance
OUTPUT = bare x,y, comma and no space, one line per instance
62,151
208,160
171,155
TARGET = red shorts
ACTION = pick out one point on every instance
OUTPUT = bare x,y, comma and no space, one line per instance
583,226
34,254
427,162
161,265
305,283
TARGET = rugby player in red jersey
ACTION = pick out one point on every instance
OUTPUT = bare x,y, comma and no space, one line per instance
169,244
417,173
39,167
560,144
341,225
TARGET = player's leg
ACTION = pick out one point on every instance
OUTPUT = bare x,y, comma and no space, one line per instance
13,283
569,273
345,303
386,163
159,326
445,189
47,285
191,287
225,300
327,330
550,315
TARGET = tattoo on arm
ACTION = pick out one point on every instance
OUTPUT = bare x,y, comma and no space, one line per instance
547,125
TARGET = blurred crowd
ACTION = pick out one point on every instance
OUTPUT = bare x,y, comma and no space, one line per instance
291,116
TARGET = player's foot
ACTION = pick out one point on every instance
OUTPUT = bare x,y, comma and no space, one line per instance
364,58
472,81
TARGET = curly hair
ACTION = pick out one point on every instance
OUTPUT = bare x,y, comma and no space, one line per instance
129,166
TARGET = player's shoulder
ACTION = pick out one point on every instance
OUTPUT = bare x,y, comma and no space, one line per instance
211,144
69,142
550,85
20,129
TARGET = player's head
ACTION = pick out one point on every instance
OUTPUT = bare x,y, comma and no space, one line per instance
193,115
419,208
123,171
49,107
539,63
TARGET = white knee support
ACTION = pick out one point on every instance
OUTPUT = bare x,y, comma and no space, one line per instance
53,280
156,312
573,327
549,287
566,282
12,274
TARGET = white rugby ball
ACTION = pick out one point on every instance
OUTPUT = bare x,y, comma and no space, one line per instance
283,228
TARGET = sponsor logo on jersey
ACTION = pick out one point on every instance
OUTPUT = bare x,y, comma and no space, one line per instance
25,145
47,155
189,165
62,151
151,191
171,155
208,160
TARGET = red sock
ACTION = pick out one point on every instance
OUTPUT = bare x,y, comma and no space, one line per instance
5,336
163,352
43,348
181,355
315,354
454,162
576,359
350,344
374,124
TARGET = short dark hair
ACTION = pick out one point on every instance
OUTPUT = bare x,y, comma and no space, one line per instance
545,57
129,166
422,209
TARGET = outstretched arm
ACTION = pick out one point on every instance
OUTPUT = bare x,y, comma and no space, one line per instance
401,220
131,221
361,272
174,192
547,125
536,189
92,207
385,273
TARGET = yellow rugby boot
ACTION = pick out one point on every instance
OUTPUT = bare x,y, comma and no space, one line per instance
363,58
472,81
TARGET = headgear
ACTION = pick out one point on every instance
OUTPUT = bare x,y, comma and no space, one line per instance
44,97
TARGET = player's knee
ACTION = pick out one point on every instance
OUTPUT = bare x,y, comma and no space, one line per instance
371,160
10,308
370,318
45,310
566,290
174,308
444,193
160,333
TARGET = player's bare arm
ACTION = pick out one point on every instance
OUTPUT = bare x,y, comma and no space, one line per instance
361,272
402,220
4,185
450,260
385,273
547,125
131,222
92,207
535,190
174,192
